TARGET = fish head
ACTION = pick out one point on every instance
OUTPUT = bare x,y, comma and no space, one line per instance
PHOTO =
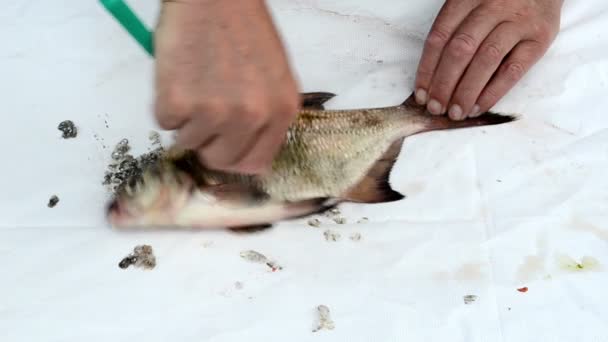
153,198
168,195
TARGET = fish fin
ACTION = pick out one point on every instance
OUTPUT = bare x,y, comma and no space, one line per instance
315,100
411,101
375,187
250,229
443,122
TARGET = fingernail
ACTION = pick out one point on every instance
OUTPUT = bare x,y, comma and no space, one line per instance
434,107
455,112
421,96
475,111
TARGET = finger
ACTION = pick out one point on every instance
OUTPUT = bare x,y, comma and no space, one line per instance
194,133
484,64
515,66
264,149
457,55
227,151
450,16
167,116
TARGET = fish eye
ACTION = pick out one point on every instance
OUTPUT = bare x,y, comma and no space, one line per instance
132,183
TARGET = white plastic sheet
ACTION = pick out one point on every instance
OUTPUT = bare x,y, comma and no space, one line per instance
488,211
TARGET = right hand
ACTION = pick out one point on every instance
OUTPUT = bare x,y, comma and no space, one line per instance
223,82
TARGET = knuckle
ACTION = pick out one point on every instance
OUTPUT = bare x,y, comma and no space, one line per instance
544,32
249,108
465,96
491,53
438,37
514,71
177,103
462,45
523,12
166,120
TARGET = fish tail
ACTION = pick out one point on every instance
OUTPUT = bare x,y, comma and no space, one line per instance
443,122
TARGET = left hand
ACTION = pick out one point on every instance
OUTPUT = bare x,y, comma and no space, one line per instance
477,50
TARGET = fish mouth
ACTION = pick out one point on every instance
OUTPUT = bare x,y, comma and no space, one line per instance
112,207
117,213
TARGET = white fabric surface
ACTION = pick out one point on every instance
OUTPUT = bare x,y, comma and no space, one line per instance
488,210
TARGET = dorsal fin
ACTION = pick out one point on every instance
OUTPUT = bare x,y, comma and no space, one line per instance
375,187
411,101
315,100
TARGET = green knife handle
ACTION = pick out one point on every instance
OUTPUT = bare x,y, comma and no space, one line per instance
127,18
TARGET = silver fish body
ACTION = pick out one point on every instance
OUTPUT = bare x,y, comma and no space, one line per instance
328,157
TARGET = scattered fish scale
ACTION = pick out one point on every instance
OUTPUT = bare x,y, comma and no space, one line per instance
53,201
154,138
340,220
331,235
68,129
325,321
314,223
469,299
142,257
125,167
363,220
258,257
356,237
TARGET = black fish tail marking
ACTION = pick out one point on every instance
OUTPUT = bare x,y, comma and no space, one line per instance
443,122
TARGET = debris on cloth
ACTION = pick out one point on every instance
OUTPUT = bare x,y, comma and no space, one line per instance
154,138
314,223
68,129
332,212
142,256
331,235
325,321
53,201
523,289
363,220
260,258
355,237
340,220
469,299
587,263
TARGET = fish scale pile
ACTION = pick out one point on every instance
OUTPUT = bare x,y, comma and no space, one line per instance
125,167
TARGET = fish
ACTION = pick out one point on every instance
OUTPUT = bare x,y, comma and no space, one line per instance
328,157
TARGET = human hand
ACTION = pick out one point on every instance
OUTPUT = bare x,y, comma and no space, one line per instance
477,50
223,82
